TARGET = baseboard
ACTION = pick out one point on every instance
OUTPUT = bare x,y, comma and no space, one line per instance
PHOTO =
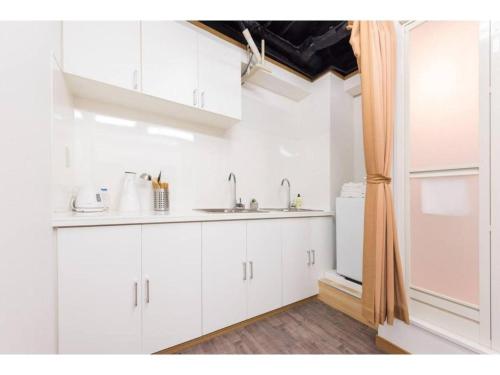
189,344
342,301
388,347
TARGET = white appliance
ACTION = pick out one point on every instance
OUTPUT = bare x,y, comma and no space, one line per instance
129,198
88,199
349,217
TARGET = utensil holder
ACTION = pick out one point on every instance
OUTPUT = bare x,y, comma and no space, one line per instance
161,201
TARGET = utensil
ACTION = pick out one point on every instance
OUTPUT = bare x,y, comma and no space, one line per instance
146,176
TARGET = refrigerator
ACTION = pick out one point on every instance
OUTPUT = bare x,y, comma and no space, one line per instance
349,217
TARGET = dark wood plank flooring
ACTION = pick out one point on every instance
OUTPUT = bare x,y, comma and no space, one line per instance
310,328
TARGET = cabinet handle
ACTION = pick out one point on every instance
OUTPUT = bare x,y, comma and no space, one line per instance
195,101
251,270
147,290
202,99
134,80
314,256
308,257
244,271
136,287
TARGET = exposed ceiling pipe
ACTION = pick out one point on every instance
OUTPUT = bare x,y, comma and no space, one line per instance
250,41
304,53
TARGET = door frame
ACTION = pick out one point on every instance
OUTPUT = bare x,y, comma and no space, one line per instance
402,177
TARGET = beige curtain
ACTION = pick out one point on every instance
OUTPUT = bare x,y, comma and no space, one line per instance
384,296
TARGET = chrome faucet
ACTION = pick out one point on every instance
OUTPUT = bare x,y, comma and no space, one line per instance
231,175
289,201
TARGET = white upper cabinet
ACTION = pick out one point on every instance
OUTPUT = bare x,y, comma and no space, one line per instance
225,274
168,68
170,61
107,52
99,289
264,247
219,75
171,272
183,65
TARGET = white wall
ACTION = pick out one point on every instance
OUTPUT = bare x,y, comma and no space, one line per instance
342,137
359,171
276,138
27,258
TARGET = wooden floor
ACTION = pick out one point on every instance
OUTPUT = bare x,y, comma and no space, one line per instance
310,328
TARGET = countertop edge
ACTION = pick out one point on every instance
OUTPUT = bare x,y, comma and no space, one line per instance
83,220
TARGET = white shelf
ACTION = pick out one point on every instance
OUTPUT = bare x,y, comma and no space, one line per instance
264,78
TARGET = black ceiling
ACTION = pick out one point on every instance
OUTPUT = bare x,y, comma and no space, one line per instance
308,47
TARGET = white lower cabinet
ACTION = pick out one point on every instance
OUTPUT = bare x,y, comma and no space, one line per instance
297,260
307,254
171,280
264,247
144,288
241,271
99,289
224,274
321,229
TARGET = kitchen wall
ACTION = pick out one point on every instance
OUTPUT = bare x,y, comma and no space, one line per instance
347,158
27,257
276,138
359,172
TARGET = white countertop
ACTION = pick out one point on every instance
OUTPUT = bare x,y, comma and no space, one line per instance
74,219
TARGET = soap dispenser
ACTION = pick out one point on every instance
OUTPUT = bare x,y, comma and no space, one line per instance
298,201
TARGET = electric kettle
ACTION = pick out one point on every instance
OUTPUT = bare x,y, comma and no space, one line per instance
88,199
129,198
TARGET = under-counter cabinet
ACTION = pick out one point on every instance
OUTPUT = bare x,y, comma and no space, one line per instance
144,288
264,248
241,271
225,274
307,254
103,51
108,286
297,260
171,281
99,289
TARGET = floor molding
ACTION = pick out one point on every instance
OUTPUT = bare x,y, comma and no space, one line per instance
189,344
388,347
342,301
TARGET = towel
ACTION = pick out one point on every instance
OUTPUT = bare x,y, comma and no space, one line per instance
353,190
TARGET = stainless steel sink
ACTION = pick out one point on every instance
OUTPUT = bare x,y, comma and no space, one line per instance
229,210
291,210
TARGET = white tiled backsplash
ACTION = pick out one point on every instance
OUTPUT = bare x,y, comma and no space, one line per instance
277,138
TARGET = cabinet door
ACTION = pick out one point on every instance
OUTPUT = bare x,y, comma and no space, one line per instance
297,260
219,76
99,289
170,61
321,248
108,51
171,275
264,247
224,274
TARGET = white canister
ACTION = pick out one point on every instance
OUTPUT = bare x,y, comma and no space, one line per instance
129,198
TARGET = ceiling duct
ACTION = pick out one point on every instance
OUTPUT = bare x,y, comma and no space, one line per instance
310,48
258,74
